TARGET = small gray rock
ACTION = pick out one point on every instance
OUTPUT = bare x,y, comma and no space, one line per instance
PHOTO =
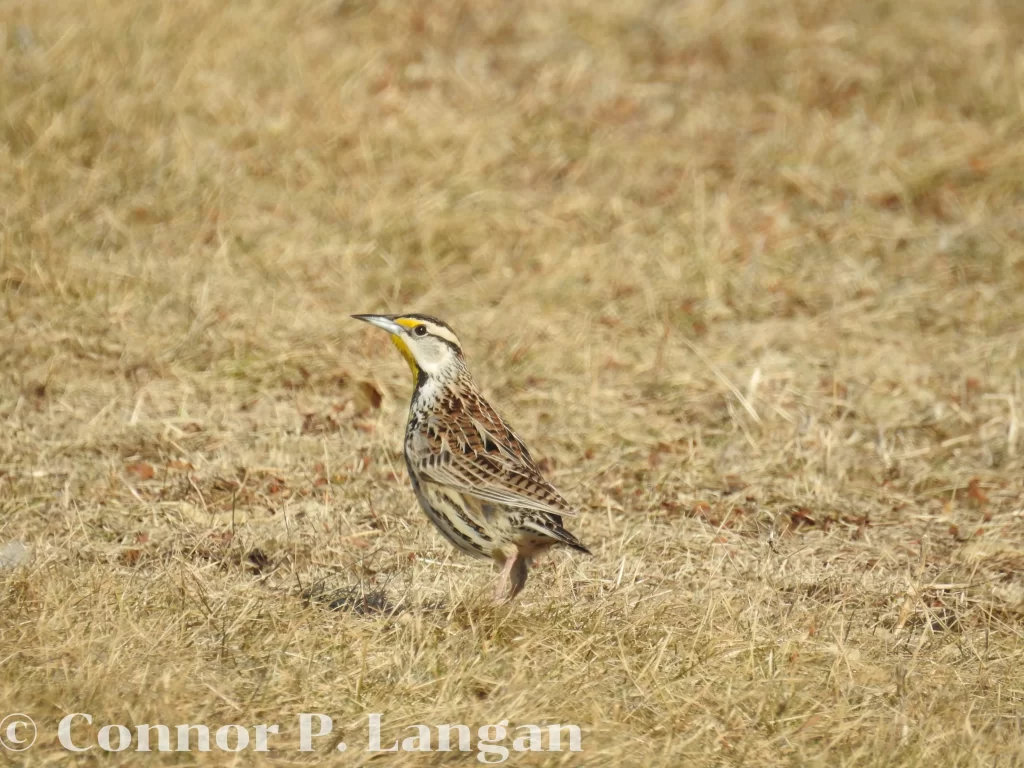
12,555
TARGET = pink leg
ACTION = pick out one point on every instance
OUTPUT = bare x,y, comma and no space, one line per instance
506,571
519,573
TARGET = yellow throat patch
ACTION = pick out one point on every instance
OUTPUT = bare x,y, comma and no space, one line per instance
410,323
399,342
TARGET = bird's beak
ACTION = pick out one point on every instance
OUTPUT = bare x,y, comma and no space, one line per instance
384,322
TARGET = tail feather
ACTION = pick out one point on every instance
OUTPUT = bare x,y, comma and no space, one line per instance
550,526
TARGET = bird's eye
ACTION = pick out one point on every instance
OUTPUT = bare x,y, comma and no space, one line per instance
420,330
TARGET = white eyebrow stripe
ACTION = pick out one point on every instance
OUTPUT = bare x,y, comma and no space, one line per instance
443,333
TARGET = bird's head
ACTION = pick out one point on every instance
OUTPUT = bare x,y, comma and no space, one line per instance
429,345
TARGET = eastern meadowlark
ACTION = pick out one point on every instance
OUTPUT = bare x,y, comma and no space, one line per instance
471,473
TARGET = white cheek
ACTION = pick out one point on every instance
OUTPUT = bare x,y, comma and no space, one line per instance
427,366
433,357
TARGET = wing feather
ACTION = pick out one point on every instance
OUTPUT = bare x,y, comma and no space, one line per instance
531,493
475,452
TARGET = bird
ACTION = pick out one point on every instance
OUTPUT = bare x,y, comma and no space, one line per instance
471,473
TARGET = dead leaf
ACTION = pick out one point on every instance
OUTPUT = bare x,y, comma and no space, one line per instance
547,464
130,557
368,395
141,469
800,517
975,492
701,509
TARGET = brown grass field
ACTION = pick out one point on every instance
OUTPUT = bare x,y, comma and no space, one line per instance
747,276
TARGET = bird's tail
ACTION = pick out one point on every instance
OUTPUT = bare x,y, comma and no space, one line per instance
551,527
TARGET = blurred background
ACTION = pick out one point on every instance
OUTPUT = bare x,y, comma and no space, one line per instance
746,276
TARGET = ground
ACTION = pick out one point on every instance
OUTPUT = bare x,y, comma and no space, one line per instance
746,276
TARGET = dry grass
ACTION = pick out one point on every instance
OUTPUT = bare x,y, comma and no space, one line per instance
748,276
